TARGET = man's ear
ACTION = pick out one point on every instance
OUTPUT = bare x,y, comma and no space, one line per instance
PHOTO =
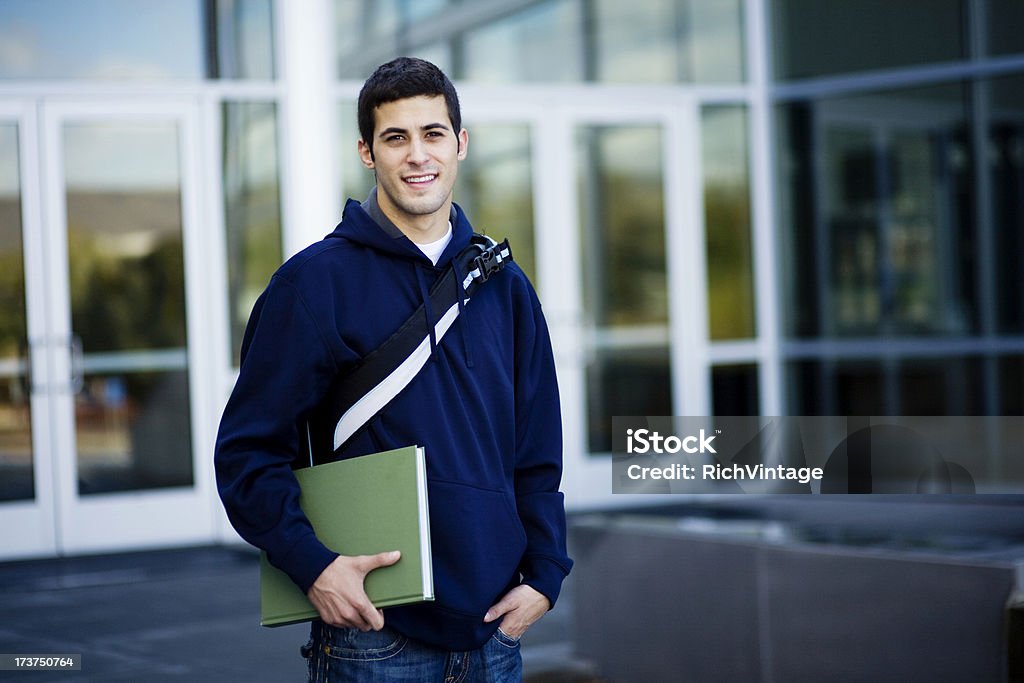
463,143
365,154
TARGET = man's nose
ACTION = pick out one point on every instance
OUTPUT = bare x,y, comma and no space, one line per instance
418,152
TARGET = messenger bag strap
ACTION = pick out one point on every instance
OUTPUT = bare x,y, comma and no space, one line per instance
360,395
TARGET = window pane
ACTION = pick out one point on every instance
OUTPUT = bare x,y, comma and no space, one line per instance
16,464
495,188
349,31
727,222
1011,382
622,207
134,431
625,382
540,43
796,202
716,41
814,38
252,207
1005,19
126,270
625,288
1006,171
418,10
942,386
101,39
124,235
243,39
362,24
879,234
639,41
908,386
734,390
829,388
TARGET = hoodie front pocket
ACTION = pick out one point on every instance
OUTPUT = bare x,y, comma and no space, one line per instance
477,541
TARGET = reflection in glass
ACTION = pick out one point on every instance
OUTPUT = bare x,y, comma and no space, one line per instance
252,207
362,24
101,39
136,39
645,41
16,464
942,386
664,41
1006,171
1005,19
539,43
625,382
133,429
727,222
908,386
1011,382
126,272
243,42
814,38
638,42
717,53
877,214
494,188
853,215
625,280
622,207
734,390
830,388
422,9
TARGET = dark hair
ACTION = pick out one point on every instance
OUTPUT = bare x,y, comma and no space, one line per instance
401,78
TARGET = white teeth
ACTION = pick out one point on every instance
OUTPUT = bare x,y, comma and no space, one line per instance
420,179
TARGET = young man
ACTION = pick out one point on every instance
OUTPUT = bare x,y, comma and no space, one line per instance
485,407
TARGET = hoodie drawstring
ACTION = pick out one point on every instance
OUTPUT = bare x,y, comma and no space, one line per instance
427,308
460,296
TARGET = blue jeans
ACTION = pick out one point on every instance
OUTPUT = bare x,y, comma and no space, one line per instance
348,655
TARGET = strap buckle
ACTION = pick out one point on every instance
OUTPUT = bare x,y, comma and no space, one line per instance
492,259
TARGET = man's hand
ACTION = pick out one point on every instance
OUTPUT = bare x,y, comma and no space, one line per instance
520,607
338,593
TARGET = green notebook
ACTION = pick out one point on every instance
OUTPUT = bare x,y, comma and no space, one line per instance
361,506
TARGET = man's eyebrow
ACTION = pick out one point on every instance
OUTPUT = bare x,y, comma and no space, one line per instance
392,129
402,131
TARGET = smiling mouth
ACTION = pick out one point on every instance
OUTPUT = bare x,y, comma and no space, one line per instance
420,179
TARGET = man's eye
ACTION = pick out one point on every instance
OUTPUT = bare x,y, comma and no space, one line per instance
394,138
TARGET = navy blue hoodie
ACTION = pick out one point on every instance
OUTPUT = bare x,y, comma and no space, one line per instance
485,407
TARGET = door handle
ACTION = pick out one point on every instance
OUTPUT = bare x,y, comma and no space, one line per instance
25,369
77,365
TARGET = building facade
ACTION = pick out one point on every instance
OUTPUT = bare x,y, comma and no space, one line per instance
728,207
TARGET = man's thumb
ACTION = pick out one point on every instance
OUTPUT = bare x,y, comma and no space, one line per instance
496,610
384,559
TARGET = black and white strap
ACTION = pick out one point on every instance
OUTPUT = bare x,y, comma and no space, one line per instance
387,370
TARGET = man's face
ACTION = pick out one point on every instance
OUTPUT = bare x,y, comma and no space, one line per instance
416,157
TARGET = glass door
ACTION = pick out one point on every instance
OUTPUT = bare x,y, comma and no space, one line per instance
608,195
26,493
638,280
120,191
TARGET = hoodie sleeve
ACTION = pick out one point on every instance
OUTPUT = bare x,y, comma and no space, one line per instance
286,367
541,506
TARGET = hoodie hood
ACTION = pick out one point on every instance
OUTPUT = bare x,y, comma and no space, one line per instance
365,223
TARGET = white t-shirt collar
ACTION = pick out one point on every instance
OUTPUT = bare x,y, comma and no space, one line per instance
433,250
